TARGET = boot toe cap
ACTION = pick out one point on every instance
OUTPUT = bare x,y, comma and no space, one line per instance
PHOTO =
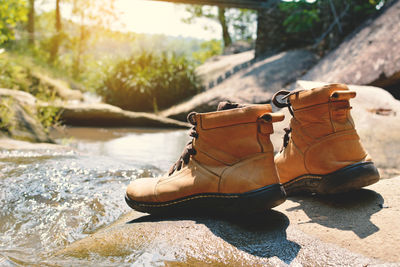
142,190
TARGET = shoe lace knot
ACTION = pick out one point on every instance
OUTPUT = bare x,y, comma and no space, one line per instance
189,149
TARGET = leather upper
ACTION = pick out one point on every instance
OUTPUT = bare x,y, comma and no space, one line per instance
234,154
323,137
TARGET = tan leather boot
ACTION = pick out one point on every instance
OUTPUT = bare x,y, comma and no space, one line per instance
228,166
324,154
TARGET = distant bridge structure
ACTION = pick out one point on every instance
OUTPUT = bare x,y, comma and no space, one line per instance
268,16
249,4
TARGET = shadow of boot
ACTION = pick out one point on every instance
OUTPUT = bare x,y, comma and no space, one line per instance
350,211
262,235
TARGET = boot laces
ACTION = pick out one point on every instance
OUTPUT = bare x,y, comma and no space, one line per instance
189,149
282,104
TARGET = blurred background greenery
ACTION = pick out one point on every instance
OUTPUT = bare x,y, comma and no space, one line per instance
142,71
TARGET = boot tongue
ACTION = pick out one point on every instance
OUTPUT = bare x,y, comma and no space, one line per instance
225,105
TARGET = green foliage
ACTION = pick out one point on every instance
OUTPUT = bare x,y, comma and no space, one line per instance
48,116
95,12
6,115
207,50
45,113
11,13
301,16
241,23
107,48
13,75
149,81
330,20
19,77
198,11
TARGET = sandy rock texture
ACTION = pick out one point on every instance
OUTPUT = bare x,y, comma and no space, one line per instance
370,55
361,221
353,229
254,84
222,66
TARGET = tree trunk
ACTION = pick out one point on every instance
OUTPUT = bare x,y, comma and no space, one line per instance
270,31
31,22
58,17
57,37
77,63
225,33
155,105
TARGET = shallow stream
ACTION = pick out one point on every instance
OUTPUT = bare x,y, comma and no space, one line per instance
49,199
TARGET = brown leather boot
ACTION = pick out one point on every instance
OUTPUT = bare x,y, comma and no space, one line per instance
227,167
324,154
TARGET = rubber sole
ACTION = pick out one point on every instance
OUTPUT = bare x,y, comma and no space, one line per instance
349,178
255,201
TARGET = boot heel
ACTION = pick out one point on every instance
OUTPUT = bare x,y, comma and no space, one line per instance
349,178
260,200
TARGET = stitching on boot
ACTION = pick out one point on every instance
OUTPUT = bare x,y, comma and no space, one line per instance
315,177
183,200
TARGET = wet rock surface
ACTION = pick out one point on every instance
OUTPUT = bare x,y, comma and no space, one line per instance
254,84
371,55
350,229
25,125
12,144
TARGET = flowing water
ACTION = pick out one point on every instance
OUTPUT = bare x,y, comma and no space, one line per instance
50,198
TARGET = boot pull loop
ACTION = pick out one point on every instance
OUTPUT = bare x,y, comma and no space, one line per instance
342,95
284,104
264,122
286,94
191,118
279,104
272,117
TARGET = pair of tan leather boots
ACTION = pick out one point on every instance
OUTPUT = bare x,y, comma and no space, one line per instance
229,166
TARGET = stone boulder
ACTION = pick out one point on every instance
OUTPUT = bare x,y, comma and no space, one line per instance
13,144
104,115
61,89
18,111
254,84
354,229
220,67
369,56
238,47
21,96
376,115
